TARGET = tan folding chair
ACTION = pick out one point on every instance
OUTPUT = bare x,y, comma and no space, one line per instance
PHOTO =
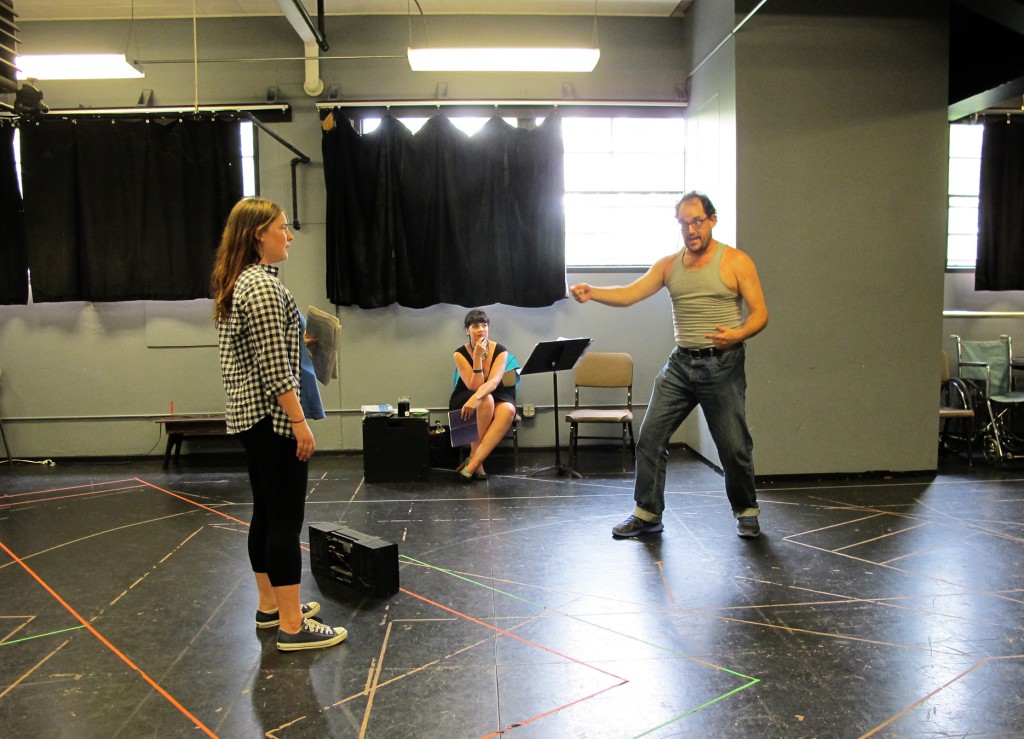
603,370
956,416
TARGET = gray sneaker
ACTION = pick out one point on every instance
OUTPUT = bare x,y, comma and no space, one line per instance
748,527
634,526
312,635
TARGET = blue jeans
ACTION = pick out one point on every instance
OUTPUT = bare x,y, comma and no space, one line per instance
718,384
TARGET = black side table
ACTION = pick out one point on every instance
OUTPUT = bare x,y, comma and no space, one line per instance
395,449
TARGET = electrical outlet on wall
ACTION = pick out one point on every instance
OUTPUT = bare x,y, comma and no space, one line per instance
529,410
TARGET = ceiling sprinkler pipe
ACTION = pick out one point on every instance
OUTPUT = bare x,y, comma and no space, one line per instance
300,21
313,85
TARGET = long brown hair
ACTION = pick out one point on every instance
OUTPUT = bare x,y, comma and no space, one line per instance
239,248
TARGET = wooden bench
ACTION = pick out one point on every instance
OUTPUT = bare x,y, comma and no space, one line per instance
178,427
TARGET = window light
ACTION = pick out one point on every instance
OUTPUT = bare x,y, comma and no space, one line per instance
504,60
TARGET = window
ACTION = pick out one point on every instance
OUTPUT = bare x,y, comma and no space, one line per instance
248,134
469,125
964,184
623,175
17,159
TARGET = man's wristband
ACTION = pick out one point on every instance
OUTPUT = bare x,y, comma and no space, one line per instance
299,421
478,372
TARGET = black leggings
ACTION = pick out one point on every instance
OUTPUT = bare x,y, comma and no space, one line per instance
278,479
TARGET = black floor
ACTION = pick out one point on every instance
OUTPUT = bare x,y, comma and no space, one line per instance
888,608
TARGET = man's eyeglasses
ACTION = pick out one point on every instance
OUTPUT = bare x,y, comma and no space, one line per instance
696,223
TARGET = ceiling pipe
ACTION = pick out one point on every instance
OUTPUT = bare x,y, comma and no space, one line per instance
722,43
313,40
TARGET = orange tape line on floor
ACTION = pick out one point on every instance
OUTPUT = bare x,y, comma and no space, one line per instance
103,640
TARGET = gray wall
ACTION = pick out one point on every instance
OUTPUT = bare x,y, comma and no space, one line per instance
711,162
842,178
827,167
836,119
87,379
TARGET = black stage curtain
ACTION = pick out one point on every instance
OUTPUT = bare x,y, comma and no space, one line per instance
441,217
127,209
13,259
1001,208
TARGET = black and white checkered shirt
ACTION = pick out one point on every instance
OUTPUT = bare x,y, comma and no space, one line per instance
259,350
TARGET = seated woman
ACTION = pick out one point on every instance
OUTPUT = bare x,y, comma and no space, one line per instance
479,391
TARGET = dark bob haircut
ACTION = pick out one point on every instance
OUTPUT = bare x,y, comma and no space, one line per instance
476,316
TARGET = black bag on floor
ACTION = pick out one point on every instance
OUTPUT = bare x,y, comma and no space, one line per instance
442,454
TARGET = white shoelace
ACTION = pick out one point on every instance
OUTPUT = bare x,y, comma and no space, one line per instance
315,627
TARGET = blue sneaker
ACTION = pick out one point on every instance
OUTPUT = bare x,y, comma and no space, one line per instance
269,620
634,526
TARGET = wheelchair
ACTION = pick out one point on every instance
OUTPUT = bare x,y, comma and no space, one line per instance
985,367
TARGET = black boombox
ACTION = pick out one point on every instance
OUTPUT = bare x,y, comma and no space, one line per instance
365,563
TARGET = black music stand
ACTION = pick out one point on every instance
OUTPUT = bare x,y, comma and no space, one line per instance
555,356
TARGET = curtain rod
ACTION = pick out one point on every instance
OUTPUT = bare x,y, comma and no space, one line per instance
155,110
982,314
247,110
321,105
1000,112
990,114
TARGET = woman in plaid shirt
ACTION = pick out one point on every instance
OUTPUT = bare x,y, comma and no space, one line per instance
259,334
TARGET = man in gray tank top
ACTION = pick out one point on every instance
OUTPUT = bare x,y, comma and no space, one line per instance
709,283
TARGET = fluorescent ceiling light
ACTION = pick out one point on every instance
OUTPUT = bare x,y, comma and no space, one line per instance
75,67
503,60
